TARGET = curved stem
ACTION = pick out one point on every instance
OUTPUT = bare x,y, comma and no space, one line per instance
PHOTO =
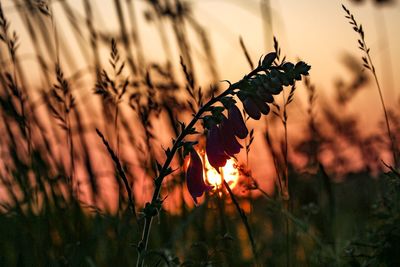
391,139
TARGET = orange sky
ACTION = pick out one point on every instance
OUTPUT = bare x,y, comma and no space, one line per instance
316,31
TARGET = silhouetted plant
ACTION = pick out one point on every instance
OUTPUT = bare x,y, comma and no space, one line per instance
378,245
61,107
113,89
255,90
368,64
377,2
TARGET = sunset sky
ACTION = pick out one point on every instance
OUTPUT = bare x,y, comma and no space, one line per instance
315,31
311,30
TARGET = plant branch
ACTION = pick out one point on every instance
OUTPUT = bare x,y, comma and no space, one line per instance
368,64
121,172
243,217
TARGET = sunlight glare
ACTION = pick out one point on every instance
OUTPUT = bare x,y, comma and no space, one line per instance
229,171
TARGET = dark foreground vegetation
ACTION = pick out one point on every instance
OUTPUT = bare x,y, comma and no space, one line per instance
94,166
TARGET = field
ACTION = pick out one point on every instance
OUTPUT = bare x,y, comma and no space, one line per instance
141,133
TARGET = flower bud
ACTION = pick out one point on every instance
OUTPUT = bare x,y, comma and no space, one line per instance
264,95
194,177
214,148
268,60
251,108
231,145
262,107
236,119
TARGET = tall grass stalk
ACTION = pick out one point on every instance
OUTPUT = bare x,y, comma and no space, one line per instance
121,173
243,217
11,41
368,64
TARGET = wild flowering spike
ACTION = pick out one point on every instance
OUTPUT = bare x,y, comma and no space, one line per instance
194,177
236,119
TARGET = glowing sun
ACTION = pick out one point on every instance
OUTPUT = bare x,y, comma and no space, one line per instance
229,172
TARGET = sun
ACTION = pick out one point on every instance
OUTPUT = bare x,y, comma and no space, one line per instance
229,172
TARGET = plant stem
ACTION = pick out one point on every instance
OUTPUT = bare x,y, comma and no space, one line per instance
369,65
243,217
121,172
286,194
392,141
71,154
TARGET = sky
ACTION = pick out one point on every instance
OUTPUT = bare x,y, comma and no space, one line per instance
312,30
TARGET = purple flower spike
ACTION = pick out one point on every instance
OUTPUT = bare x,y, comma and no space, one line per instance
214,148
251,108
236,119
194,177
231,145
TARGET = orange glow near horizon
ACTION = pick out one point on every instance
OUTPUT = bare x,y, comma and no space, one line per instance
229,172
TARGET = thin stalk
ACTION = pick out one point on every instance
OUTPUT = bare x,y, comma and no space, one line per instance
386,59
116,127
18,92
27,20
125,36
27,128
121,173
243,217
285,148
171,116
135,35
274,157
266,15
286,194
86,153
221,210
93,36
392,141
368,64
71,153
